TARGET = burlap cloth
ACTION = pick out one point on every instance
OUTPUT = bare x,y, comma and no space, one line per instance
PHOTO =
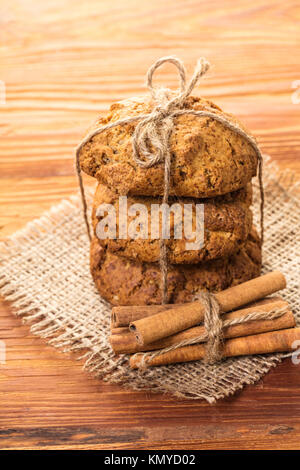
45,275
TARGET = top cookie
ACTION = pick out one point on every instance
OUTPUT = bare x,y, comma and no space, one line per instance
208,159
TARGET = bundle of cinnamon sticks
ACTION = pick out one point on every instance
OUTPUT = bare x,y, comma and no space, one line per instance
147,328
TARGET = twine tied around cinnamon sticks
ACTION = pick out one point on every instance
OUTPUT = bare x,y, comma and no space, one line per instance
213,325
153,132
207,308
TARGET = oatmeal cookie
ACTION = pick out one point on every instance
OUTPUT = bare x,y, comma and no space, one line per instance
227,223
125,282
208,159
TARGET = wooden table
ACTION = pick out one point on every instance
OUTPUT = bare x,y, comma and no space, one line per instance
63,62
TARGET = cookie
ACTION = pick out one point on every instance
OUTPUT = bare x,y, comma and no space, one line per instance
124,282
227,223
208,159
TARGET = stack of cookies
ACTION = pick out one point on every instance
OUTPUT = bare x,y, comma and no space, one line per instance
211,165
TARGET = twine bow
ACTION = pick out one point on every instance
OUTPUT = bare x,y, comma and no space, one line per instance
151,143
154,131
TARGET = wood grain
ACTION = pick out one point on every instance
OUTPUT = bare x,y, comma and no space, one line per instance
63,62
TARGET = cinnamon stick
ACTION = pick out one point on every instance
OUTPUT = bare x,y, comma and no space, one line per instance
178,318
120,330
123,315
264,343
125,342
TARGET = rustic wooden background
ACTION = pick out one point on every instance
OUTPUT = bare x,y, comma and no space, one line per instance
63,62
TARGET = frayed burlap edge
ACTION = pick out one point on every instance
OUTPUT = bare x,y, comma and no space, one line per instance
43,264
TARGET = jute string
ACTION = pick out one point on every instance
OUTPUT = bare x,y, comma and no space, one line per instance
153,132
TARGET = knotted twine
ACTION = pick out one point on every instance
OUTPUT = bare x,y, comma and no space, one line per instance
153,132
